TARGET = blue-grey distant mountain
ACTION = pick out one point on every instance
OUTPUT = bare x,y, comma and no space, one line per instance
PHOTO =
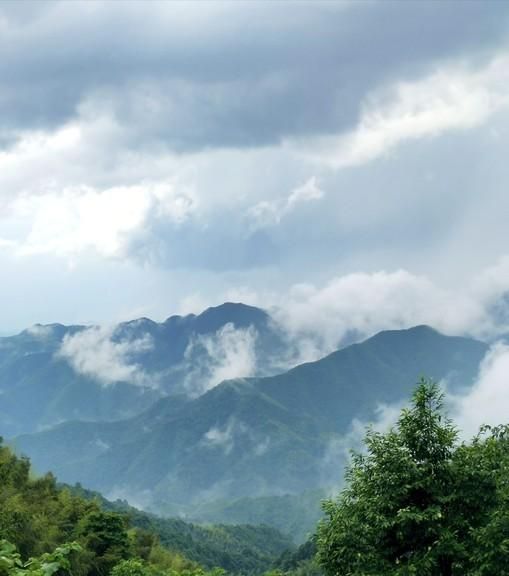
54,373
254,436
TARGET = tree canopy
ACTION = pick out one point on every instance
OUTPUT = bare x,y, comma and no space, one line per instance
420,502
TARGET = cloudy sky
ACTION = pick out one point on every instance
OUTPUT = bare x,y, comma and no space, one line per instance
346,162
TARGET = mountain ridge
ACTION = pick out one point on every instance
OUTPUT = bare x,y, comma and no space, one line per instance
52,373
254,436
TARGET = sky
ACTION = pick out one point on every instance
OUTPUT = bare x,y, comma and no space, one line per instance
341,163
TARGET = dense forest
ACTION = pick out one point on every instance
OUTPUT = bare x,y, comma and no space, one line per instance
38,516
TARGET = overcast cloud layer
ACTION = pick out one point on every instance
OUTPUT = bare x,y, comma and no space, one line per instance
342,162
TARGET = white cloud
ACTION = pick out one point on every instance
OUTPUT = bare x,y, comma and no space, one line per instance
307,192
141,499
224,438
74,220
79,189
7,244
316,319
228,353
361,304
270,213
452,98
487,402
92,352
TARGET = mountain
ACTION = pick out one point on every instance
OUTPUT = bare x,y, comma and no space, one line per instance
252,437
54,373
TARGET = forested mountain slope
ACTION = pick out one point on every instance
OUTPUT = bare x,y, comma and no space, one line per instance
256,436
37,515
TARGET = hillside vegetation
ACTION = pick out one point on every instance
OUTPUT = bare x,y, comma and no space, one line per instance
37,516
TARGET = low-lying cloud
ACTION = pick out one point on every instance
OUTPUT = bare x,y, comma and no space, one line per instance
228,353
355,306
233,430
487,401
223,437
94,353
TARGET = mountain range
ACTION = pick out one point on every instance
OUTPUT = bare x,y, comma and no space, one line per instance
250,438
54,373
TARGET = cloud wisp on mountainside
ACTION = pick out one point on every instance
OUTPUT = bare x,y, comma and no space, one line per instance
227,354
93,352
352,307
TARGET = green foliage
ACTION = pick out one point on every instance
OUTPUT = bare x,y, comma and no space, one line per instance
131,567
239,549
48,564
419,503
134,567
39,516
105,535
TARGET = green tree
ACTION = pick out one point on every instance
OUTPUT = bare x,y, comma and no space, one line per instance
418,503
131,567
104,534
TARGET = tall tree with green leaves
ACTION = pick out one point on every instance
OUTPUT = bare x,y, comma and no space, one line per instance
418,502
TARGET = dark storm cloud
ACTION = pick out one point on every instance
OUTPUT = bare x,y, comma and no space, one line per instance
198,75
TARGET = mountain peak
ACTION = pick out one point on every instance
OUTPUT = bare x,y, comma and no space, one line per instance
213,318
241,315
419,330
234,308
